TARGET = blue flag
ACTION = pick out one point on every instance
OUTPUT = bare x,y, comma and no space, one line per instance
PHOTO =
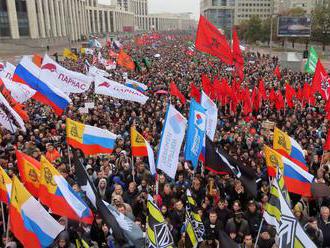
196,132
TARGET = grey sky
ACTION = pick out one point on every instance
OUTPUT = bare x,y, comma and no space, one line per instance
171,6
174,6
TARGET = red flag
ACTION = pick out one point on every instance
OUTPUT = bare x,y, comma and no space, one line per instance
174,91
217,88
272,95
195,92
247,106
237,53
277,72
327,143
279,101
262,90
207,86
210,40
321,81
289,94
255,98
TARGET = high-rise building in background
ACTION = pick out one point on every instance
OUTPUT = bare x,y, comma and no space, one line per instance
74,19
226,13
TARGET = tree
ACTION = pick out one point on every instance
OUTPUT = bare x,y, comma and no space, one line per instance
321,25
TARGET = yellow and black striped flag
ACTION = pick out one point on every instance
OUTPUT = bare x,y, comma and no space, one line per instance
194,225
279,214
158,233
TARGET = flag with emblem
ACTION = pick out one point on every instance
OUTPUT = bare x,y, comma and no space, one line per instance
56,193
31,224
158,232
196,132
91,140
195,229
5,186
210,40
29,170
278,214
171,141
141,148
321,81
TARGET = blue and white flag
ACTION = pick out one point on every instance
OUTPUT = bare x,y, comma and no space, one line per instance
136,85
211,115
196,132
170,144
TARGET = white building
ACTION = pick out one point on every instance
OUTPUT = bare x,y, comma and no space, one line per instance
74,19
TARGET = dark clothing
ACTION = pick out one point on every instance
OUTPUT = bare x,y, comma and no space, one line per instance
325,227
254,220
212,230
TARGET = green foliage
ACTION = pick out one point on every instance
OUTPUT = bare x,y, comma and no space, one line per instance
254,29
321,24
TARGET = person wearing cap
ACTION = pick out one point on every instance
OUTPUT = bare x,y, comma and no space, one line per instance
266,239
253,216
240,224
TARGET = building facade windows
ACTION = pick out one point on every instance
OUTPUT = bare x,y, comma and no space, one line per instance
4,21
22,18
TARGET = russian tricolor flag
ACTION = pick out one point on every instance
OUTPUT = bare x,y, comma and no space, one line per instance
28,73
31,224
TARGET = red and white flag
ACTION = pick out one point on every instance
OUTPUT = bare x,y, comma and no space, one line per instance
104,86
62,78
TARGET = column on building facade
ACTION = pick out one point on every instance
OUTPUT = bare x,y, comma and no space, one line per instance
12,18
93,21
78,27
62,16
81,16
52,18
58,19
71,22
47,18
109,22
88,21
75,22
114,21
104,28
86,25
41,21
32,17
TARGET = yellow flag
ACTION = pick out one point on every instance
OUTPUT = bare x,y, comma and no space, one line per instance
69,55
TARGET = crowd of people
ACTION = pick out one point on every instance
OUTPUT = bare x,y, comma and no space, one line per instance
223,202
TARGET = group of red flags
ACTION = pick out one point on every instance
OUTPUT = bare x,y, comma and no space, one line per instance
211,40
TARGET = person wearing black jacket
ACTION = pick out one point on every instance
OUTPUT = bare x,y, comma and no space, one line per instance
253,216
177,218
212,226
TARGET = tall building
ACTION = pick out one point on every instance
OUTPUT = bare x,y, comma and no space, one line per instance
281,6
74,19
226,13
220,12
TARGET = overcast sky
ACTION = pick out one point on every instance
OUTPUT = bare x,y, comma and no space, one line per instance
172,6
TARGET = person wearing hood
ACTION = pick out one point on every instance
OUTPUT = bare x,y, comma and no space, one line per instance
103,190
63,240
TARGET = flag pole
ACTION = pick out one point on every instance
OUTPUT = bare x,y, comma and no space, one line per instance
3,217
133,171
7,231
69,157
259,231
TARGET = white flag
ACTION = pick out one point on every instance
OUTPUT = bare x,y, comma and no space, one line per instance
104,86
94,71
64,79
7,70
211,115
20,92
170,145
9,119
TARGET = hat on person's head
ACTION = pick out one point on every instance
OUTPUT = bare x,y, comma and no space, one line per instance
252,202
89,167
